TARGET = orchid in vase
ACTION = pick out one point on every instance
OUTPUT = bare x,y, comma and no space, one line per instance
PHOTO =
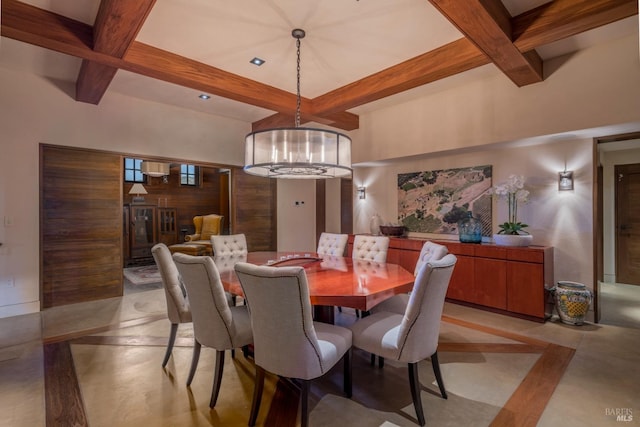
512,190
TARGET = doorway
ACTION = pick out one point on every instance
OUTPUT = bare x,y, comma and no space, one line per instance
627,213
617,214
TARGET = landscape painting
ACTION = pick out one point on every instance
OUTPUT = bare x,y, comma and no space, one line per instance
434,201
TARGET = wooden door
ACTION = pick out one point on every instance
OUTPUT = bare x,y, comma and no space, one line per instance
627,206
254,210
80,225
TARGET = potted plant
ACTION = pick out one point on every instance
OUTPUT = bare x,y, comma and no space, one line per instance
512,232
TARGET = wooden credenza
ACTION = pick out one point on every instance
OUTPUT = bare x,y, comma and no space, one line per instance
504,279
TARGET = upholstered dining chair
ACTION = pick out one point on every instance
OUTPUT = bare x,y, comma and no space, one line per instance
370,248
332,244
178,309
216,324
286,340
398,303
229,246
412,336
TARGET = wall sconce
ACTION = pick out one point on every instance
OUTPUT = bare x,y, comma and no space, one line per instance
565,180
137,189
362,193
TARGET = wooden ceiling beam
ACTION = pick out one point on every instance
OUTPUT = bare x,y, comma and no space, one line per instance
46,29
448,60
565,18
117,24
487,23
343,120
545,24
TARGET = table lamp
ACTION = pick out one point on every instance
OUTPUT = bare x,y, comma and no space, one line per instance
137,189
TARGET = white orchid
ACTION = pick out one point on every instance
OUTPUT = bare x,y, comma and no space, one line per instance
513,191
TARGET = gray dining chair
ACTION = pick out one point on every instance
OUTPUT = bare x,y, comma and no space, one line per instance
216,323
286,340
332,244
412,336
398,303
178,309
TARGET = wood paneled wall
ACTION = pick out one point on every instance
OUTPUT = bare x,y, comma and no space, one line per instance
82,195
80,225
210,197
254,210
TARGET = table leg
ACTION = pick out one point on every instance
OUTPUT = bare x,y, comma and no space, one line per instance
323,313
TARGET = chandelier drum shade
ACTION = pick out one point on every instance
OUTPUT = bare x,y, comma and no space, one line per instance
155,169
298,152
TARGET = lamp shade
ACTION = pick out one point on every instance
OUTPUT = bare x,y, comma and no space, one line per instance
154,168
298,153
137,189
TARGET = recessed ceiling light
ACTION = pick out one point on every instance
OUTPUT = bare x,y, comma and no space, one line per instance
203,96
257,61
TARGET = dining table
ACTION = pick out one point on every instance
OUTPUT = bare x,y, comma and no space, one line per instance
333,281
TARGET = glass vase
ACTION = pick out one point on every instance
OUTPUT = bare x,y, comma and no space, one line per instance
374,224
470,229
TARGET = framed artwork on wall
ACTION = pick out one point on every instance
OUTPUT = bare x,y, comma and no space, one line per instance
434,201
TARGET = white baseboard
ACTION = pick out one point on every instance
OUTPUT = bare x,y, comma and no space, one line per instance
19,309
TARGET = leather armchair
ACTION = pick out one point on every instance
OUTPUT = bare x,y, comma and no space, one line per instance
205,227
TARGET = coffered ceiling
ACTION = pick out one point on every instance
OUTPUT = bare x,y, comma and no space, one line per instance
357,54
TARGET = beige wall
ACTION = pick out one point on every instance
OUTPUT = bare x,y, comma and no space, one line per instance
34,110
297,215
595,88
559,219
471,124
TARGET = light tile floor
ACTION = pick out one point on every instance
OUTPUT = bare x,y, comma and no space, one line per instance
124,385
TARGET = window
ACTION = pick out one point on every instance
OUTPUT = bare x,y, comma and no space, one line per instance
188,175
132,171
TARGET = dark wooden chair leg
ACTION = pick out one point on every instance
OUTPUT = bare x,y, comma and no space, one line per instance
217,378
304,397
347,359
172,340
380,361
414,384
194,361
438,374
257,395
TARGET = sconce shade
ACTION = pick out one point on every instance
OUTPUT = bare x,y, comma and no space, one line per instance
154,169
565,180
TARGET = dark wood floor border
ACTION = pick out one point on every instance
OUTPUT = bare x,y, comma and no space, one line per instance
526,405
497,332
488,348
128,340
97,330
63,401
